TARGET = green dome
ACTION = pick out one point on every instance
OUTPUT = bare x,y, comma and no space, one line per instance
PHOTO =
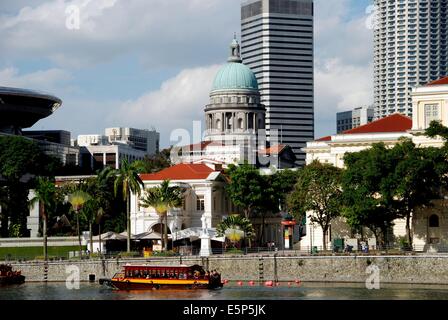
234,76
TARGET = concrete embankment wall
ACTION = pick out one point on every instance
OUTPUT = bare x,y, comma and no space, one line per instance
393,269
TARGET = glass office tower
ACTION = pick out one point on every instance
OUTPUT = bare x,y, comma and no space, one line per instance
277,44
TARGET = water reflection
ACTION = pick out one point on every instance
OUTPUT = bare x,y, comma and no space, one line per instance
306,291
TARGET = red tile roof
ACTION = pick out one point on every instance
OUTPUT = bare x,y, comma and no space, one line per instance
184,171
438,82
327,138
275,149
394,123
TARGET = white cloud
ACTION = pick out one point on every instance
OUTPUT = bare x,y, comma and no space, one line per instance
175,105
47,80
159,32
343,62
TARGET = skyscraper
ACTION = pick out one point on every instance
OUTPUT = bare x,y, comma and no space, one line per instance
277,44
410,50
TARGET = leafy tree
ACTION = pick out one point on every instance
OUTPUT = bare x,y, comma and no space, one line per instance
127,180
20,160
369,190
154,163
235,228
78,199
162,199
245,188
318,189
92,212
417,178
46,196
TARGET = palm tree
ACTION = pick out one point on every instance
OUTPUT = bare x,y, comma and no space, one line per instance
162,199
235,228
92,212
128,179
99,188
77,199
45,196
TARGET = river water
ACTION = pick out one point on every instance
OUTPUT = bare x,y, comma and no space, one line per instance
304,291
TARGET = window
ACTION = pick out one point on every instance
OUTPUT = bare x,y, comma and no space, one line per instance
431,114
200,203
434,221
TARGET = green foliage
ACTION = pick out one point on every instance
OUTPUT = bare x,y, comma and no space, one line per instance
29,253
368,189
169,253
127,180
246,187
20,158
78,199
154,163
382,184
282,183
14,231
162,198
318,189
235,228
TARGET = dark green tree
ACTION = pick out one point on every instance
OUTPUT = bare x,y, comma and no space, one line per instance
318,189
245,187
154,163
20,160
417,178
162,199
46,197
128,180
235,228
369,190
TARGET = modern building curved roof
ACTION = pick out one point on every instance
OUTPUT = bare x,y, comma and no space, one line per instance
28,93
22,108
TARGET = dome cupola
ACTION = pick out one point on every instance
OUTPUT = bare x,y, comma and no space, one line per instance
235,75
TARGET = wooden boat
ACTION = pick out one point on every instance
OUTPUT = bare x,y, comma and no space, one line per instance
138,277
8,276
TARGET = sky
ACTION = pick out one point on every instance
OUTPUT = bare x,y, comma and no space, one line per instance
150,64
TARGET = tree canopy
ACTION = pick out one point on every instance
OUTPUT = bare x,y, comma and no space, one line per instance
318,189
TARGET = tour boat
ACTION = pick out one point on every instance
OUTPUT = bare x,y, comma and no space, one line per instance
136,277
8,276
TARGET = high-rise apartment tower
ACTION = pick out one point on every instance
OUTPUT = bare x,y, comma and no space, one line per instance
410,41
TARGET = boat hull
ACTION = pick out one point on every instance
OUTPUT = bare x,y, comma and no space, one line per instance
7,280
144,284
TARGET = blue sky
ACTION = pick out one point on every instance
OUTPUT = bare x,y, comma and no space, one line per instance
150,63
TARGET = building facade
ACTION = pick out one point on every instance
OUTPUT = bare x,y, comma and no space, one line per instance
139,139
429,226
235,122
410,49
234,117
117,144
277,44
354,118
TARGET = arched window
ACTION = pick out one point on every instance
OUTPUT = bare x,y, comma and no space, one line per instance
434,221
240,123
218,124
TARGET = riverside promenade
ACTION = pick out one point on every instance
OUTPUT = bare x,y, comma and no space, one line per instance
406,269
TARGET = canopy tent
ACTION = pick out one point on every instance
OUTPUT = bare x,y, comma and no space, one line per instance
111,236
195,233
147,236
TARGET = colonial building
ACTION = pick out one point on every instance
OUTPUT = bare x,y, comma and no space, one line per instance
204,197
235,122
430,102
